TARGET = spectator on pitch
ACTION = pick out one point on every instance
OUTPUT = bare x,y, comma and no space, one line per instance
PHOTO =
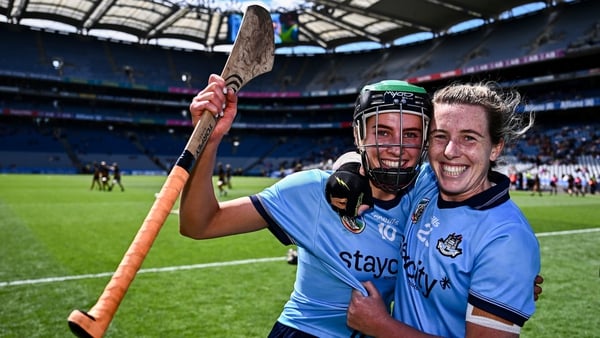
578,186
96,177
513,180
451,270
529,180
537,185
554,185
593,183
116,176
570,184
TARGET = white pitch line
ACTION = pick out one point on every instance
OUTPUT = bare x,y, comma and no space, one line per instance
566,232
149,270
216,264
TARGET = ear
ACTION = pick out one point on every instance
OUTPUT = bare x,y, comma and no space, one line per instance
497,150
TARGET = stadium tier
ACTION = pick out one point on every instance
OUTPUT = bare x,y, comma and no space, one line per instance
70,100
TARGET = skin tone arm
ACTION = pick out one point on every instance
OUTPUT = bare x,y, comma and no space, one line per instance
369,315
200,214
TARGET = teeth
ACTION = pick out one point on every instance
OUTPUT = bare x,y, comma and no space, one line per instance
391,164
453,170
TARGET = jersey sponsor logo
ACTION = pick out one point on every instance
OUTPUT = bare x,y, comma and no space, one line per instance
355,225
449,246
416,276
378,266
419,210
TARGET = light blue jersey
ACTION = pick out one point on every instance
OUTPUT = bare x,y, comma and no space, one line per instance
333,256
456,252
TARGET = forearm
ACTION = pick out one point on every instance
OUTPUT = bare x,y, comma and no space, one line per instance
202,216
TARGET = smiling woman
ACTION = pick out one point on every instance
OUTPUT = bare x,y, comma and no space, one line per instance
460,150
461,216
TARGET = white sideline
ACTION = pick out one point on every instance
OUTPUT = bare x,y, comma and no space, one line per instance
149,270
216,264
566,232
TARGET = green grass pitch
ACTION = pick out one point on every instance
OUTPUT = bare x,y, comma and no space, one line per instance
61,242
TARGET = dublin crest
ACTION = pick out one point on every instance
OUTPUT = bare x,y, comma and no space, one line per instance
449,246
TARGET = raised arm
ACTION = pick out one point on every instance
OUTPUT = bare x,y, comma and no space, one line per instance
200,214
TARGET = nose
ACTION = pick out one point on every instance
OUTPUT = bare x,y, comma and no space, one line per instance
451,150
396,150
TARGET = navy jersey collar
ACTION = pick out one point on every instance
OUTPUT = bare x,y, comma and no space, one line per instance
387,205
487,199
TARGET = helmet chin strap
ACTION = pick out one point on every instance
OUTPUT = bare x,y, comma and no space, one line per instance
391,180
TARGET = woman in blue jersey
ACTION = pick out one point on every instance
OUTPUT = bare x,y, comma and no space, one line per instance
468,254
336,252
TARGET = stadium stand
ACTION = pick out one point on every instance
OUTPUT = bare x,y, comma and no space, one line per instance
105,100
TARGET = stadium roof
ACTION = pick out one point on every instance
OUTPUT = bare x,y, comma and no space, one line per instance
324,23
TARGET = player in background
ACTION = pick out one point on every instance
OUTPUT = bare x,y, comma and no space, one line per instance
104,175
468,252
116,176
221,180
96,177
335,252
228,174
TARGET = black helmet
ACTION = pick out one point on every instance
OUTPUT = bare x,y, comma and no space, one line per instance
390,96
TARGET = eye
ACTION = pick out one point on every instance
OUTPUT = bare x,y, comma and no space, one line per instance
383,133
411,134
438,137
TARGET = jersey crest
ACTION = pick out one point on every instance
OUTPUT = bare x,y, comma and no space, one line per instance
419,210
353,224
449,246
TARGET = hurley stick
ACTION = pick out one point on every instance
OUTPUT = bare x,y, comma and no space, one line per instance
252,54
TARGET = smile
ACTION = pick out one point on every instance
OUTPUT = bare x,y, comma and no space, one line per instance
390,164
453,170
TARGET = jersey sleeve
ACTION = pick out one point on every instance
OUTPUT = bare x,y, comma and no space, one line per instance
504,273
292,206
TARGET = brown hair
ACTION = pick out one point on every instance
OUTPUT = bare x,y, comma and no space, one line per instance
504,120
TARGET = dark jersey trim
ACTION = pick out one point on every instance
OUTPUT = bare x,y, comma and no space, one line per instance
488,199
275,229
499,311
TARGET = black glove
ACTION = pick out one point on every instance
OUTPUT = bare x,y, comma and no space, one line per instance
347,183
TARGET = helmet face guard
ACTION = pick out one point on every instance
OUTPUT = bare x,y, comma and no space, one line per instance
390,97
